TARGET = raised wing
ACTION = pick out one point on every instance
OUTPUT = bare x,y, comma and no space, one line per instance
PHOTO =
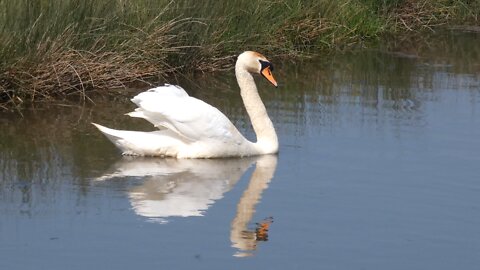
171,107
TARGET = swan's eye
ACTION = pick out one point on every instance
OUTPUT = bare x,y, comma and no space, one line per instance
265,64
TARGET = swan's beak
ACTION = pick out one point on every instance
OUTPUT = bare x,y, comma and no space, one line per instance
269,76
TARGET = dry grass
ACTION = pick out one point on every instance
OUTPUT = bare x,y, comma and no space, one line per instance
57,73
102,44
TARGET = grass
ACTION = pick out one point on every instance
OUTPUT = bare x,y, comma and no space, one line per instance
51,50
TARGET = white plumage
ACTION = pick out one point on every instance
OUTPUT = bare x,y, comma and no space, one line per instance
191,128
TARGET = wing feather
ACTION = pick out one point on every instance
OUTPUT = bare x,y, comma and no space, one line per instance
172,108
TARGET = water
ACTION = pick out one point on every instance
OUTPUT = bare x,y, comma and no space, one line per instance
378,169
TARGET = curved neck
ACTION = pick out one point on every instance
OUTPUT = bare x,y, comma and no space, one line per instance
267,140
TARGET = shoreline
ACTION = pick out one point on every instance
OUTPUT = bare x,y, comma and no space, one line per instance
145,44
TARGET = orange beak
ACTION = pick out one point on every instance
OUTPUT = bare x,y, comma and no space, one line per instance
269,76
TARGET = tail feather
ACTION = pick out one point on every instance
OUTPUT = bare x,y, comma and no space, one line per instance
112,134
154,143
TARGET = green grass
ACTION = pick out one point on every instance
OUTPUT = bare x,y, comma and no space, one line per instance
57,49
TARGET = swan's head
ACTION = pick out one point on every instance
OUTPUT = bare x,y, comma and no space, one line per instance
255,62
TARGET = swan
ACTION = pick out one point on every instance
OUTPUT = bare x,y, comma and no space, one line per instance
191,128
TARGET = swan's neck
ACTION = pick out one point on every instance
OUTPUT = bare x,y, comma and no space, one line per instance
267,141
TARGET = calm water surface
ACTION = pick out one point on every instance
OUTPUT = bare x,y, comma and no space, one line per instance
378,168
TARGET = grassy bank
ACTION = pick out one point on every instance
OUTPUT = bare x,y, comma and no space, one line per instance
51,50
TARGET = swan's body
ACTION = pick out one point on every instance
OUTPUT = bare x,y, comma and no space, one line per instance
191,128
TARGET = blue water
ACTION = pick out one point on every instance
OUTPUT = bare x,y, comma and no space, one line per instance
378,169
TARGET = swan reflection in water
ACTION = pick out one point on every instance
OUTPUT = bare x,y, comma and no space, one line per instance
188,187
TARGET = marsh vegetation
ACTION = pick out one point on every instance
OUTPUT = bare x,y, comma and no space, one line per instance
70,49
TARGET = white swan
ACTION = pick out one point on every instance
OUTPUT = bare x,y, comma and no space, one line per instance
191,128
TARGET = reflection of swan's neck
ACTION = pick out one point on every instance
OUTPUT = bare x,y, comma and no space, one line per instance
243,239
267,141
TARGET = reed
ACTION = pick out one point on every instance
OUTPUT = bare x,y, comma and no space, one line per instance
71,48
